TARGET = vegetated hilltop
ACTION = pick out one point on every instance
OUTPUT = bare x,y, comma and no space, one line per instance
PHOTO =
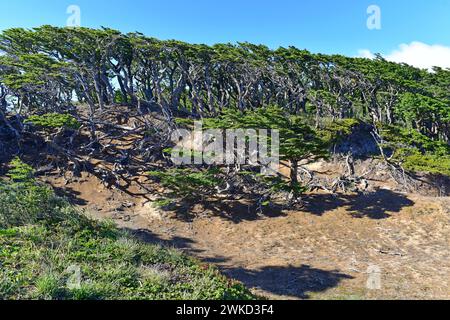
78,101
47,69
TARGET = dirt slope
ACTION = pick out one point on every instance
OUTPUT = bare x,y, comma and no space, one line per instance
331,249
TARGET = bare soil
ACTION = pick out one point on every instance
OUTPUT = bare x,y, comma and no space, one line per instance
336,247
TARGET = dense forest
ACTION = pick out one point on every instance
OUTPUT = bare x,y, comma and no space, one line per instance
47,69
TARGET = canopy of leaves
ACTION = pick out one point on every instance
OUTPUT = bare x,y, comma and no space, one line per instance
47,68
415,151
298,141
331,132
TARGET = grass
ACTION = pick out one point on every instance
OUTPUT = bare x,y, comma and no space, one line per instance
48,250
38,263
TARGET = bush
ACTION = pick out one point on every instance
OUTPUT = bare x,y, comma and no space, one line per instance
20,171
415,151
23,204
119,98
54,121
414,160
23,201
397,137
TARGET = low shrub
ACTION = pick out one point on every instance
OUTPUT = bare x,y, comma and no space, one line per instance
54,120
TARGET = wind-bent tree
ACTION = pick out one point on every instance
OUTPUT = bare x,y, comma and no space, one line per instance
299,143
89,72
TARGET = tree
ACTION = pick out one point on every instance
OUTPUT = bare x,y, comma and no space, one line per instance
299,143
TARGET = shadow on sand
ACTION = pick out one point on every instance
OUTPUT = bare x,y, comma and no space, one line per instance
289,281
293,282
377,205
380,204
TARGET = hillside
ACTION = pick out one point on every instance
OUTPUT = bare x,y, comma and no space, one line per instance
320,251
94,122
50,250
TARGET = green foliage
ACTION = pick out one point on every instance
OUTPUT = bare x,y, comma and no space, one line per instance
331,132
25,203
188,183
396,136
49,286
119,98
185,122
188,153
415,151
415,109
38,256
416,161
20,171
163,203
298,140
54,120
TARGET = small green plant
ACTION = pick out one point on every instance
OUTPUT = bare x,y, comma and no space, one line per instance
185,122
119,97
48,287
54,121
163,203
279,184
24,201
20,171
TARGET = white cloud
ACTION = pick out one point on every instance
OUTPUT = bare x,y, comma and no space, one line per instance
417,54
364,53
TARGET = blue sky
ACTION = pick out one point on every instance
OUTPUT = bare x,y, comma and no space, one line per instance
327,26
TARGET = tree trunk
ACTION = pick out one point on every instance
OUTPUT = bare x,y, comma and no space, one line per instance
294,173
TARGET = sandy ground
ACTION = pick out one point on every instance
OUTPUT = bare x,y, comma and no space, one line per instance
384,245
